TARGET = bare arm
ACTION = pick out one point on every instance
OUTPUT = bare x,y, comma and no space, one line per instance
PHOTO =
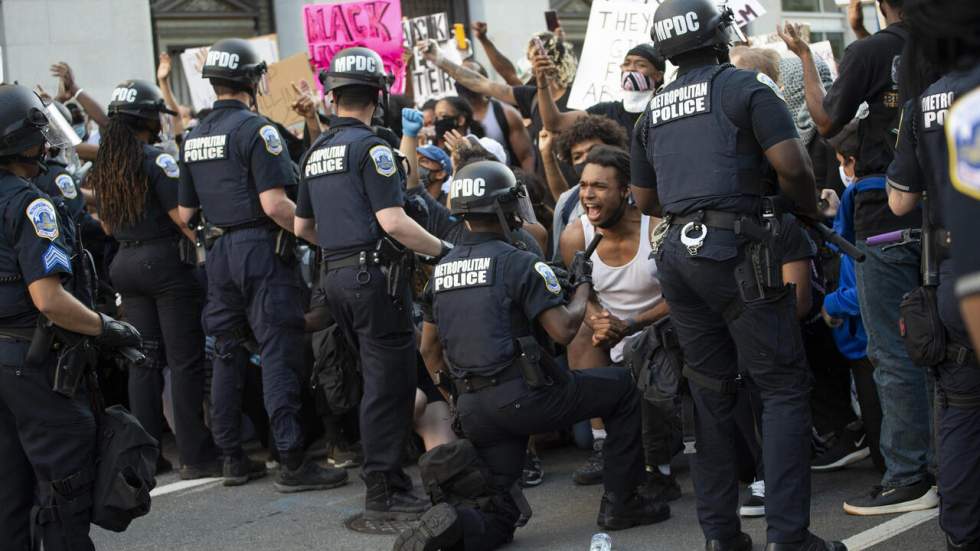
902,202
279,207
408,232
499,61
174,215
812,86
186,214
554,120
163,80
64,310
431,350
409,148
552,173
855,19
798,273
970,307
305,106
71,89
87,151
468,77
795,173
562,322
520,141
305,229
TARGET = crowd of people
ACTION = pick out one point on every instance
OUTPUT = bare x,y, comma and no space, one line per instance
455,284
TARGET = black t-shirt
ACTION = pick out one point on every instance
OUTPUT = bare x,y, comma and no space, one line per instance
615,111
527,104
163,181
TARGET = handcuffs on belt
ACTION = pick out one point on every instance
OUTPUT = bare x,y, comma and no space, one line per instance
692,242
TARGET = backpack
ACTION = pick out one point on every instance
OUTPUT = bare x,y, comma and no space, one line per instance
125,469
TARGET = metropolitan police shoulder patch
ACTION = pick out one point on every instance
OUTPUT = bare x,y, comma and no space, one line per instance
384,160
272,139
549,277
963,142
66,185
42,215
169,165
764,79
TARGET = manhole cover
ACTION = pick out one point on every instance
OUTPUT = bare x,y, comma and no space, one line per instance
358,523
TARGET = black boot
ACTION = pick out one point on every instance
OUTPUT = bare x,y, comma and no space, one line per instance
439,528
741,542
239,469
616,513
811,543
388,498
973,546
309,476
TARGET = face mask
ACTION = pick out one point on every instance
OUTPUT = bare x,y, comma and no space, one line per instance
427,176
635,81
80,130
579,168
636,102
444,125
847,180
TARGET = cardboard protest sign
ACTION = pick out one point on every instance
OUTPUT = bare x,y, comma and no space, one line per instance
276,105
429,81
614,27
192,61
374,24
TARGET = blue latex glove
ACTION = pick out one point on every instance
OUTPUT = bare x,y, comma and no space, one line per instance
411,122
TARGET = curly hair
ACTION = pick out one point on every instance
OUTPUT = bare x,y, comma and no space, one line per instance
118,176
591,127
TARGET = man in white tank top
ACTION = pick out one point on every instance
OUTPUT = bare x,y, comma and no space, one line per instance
626,298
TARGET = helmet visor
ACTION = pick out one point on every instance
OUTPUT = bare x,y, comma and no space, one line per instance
525,209
57,132
262,86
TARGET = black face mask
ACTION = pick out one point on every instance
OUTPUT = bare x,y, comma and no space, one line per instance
579,169
444,125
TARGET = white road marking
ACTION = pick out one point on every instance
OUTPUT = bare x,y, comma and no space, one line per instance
181,485
890,529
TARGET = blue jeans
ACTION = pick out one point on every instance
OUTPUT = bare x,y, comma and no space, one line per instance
904,388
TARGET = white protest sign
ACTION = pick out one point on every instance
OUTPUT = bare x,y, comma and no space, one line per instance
428,81
614,27
192,60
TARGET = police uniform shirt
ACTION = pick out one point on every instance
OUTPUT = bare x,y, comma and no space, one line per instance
32,246
486,294
346,177
748,99
162,178
58,183
963,204
227,160
921,162
868,73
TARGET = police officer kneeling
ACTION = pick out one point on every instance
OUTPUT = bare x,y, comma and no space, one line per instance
509,388
718,269
47,438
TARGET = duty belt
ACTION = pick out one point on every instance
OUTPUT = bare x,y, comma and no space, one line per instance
694,227
19,334
476,383
125,244
259,223
352,261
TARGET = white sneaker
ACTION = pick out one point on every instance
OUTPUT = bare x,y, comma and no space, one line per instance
755,504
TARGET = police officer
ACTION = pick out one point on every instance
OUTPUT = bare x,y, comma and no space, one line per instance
718,272
351,200
235,168
136,187
942,32
495,306
48,439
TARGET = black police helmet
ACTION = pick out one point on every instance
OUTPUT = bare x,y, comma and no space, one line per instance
484,187
23,120
681,26
139,98
233,61
355,66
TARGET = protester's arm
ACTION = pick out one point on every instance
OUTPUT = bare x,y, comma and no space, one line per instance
812,86
798,273
520,141
411,125
87,151
499,61
72,91
467,77
163,81
855,19
552,173
305,106
430,349
553,119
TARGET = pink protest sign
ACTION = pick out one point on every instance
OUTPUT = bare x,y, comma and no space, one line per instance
375,24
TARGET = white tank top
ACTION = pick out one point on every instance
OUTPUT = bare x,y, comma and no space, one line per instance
627,290
492,126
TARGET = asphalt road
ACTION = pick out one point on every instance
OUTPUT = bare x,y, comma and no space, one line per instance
256,517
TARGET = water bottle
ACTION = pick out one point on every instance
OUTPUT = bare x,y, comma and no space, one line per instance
601,542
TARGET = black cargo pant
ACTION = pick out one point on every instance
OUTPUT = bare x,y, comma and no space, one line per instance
498,420
163,300
764,340
958,391
47,441
382,334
